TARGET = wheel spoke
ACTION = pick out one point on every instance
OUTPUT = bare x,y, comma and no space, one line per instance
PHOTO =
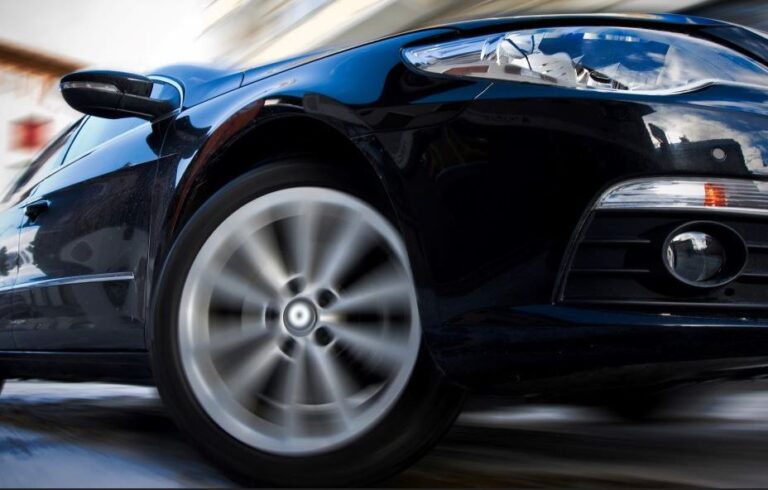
254,371
234,290
334,381
295,389
302,236
344,250
372,343
372,293
231,338
264,258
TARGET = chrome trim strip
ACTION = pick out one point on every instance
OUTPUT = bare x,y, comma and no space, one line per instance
173,83
68,281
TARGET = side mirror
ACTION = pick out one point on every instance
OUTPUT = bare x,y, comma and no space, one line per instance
114,95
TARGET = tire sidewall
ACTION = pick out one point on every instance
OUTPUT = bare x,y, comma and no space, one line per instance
425,409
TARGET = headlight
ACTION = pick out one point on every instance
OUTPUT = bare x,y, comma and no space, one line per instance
601,58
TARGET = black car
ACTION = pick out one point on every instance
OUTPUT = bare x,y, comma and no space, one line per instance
316,259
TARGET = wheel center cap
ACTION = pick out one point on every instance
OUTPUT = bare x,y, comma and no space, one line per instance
299,316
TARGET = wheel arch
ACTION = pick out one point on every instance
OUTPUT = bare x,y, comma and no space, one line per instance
290,135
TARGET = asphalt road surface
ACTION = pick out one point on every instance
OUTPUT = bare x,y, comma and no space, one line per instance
99,435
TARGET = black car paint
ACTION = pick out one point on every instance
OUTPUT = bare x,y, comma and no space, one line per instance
488,182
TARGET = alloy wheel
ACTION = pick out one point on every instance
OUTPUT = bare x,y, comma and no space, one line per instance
298,323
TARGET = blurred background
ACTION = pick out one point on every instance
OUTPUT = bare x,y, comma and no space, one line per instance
40,40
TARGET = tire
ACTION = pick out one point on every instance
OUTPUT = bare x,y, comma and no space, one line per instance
314,434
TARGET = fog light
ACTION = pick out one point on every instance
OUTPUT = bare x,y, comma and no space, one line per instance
704,254
694,256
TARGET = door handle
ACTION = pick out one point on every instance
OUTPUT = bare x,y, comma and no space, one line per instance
34,210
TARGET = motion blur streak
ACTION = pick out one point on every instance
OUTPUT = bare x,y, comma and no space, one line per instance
712,436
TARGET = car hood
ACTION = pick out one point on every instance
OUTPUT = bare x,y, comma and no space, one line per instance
201,83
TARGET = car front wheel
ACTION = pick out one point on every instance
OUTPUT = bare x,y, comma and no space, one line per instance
287,339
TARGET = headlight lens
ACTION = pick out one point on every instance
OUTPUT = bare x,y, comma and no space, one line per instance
599,58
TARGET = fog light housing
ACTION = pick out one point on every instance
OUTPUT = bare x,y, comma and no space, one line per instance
704,254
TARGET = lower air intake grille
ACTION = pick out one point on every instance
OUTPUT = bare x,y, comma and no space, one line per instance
618,260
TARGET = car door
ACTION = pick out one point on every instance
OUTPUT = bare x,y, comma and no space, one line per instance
12,211
9,247
84,242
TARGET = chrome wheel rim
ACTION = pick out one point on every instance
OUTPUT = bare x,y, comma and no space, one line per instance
298,323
